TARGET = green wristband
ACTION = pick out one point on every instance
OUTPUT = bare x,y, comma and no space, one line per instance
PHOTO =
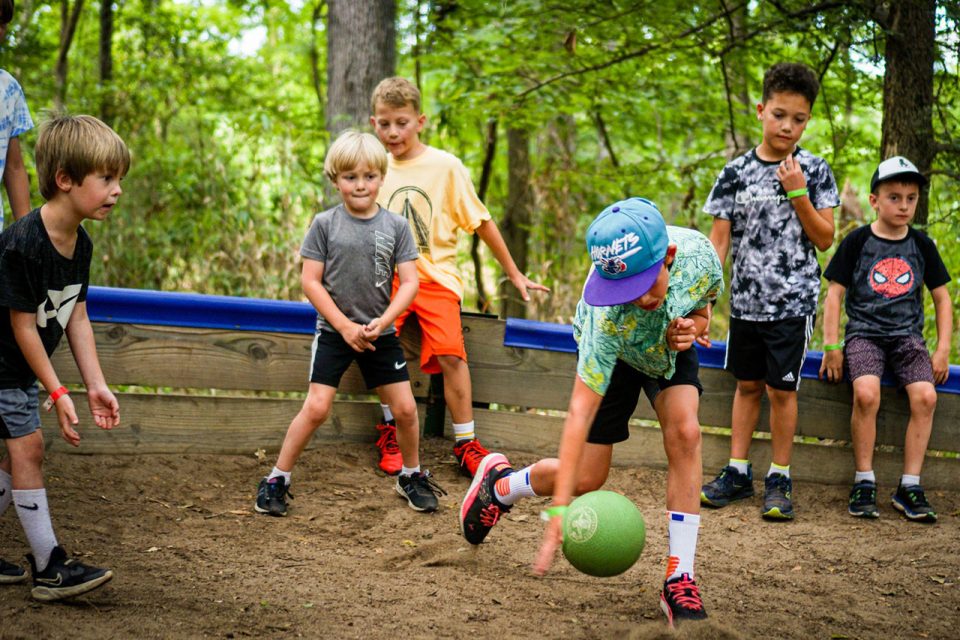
553,511
796,193
833,347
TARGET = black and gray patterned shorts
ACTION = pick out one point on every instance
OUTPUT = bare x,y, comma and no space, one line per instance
906,356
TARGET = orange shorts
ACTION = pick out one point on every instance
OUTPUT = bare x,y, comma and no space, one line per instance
441,332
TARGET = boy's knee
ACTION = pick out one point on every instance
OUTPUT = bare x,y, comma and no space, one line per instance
751,388
586,485
924,400
684,435
405,411
317,410
867,398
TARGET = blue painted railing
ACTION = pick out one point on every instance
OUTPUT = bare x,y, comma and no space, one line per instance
550,336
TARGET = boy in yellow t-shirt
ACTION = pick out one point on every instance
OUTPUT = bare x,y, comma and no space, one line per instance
432,189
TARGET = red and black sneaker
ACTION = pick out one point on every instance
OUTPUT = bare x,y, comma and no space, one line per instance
480,509
680,600
469,454
390,459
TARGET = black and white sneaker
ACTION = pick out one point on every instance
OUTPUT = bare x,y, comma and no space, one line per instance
272,497
11,573
911,501
420,491
65,577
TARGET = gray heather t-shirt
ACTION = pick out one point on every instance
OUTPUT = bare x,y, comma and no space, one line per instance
775,270
359,257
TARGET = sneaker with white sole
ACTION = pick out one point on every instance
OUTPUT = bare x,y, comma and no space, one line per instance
65,577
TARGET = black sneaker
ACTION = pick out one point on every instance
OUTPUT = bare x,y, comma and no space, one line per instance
728,486
480,509
420,491
11,573
680,600
912,503
272,496
65,577
777,497
863,500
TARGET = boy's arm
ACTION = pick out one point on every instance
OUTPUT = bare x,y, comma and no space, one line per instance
406,292
16,181
817,223
720,238
103,404
832,362
943,308
24,325
584,403
490,234
311,278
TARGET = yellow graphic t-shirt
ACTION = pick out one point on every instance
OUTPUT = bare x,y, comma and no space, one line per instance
434,193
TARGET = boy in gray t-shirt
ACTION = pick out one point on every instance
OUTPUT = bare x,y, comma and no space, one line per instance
349,256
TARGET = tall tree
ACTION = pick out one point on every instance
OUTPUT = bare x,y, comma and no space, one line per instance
516,217
907,128
361,51
68,26
106,60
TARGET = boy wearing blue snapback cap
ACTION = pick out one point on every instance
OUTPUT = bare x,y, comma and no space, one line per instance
644,303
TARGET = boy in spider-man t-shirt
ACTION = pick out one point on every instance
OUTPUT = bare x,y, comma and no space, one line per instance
882,267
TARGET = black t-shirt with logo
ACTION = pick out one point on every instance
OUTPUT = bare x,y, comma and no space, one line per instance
883,280
36,278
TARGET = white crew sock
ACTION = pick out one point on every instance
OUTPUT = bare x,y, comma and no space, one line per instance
775,468
683,529
35,519
277,473
387,414
860,476
514,486
908,480
464,431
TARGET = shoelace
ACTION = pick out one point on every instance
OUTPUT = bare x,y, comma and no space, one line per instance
472,453
425,479
864,494
917,497
278,490
685,593
490,515
388,441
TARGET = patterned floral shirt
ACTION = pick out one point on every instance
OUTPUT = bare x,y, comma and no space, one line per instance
14,119
627,332
775,270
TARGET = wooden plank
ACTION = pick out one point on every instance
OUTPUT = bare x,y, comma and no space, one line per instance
181,357
155,423
537,434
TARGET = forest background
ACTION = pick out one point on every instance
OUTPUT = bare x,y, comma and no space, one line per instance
557,108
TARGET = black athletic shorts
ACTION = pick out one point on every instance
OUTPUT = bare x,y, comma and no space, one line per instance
332,356
770,351
620,401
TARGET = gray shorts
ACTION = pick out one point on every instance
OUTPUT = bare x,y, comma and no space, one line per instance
19,412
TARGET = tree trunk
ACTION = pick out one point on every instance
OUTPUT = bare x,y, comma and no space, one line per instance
516,219
68,26
490,150
106,60
361,51
907,128
735,76
315,63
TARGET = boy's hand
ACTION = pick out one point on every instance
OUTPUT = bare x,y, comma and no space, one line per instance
941,367
704,338
681,333
522,283
354,336
372,330
104,407
791,175
552,539
832,364
66,418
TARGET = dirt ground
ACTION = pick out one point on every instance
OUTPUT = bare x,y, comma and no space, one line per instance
192,560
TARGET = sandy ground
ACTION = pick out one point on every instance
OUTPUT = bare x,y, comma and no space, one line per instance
192,560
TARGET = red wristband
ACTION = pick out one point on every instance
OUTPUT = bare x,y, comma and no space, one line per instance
59,393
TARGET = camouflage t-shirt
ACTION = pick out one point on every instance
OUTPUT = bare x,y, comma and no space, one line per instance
775,270
627,332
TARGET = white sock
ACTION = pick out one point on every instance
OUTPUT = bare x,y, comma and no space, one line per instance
743,466
683,529
387,414
409,471
277,473
6,490
860,476
775,468
908,480
511,488
463,431
35,519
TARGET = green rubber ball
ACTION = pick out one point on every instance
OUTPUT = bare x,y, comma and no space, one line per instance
603,533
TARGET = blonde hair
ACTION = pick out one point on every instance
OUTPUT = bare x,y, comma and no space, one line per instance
350,150
78,146
396,92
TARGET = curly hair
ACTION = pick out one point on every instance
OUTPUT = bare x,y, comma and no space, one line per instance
793,77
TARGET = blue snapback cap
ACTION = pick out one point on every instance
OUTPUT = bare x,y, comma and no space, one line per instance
627,243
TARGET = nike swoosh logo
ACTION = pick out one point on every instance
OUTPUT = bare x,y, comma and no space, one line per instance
399,365
33,508
380,284
53,583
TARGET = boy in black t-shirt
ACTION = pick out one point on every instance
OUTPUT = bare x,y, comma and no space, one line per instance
880,268
44,273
